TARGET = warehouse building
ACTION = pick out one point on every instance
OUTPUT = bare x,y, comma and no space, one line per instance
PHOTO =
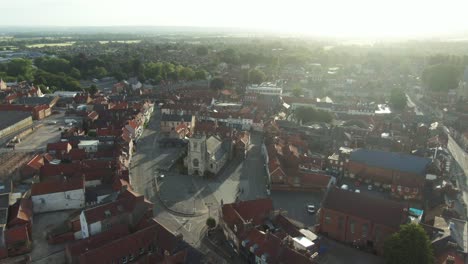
12,122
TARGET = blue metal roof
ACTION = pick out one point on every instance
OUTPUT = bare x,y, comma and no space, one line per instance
391,160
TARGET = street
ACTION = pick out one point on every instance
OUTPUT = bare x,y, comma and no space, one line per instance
461,158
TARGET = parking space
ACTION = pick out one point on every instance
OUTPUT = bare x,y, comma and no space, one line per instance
46,131
362,187
295,203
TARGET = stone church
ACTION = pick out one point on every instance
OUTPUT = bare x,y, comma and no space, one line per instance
206,155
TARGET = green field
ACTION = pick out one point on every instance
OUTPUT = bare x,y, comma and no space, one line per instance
120,41
42,45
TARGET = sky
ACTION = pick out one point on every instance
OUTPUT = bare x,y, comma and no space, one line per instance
335,18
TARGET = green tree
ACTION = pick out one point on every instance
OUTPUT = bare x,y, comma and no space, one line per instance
202,51
200,75
53,64
211,222
410,245
217,83
99,72
75,73
93,89
441,77
153,70
20,67
185,73
229,56
297,91
256,76
398,99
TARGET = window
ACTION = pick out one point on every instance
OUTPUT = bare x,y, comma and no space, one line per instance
351,226
195,145
327,219
195,162
378,234
340,222
365,230
211,165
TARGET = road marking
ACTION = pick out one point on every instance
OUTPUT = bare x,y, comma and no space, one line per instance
183,223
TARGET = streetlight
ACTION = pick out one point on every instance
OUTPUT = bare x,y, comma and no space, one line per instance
209,206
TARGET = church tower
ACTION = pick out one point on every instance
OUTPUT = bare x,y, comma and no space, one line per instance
197,155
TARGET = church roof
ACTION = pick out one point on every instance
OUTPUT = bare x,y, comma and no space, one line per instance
212,145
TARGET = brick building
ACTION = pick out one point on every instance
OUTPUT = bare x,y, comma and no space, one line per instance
360,219
404,174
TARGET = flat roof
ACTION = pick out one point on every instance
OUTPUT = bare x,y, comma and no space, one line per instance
9,118
88,142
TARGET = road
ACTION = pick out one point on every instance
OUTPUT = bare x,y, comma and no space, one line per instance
143,168
461,158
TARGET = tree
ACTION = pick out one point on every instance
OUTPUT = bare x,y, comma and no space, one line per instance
75,73
229,56
200,75
256,76
441,77
23,67
186,73
398,99
99,72
211,222
217,83
410,245
93,89
202,51
297,91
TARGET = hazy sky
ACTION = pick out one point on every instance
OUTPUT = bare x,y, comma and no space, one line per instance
343,18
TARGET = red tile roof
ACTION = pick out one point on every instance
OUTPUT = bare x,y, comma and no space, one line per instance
36,162
255,210
316,180
378,210
81,246
58,146
57,186
20,212
131,244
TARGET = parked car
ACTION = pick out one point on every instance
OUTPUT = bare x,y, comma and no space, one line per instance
311,209
345,187
51,122
369,187
357,191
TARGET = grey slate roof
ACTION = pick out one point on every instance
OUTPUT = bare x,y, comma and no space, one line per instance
46,100
212,145
391,160
177,118
9,118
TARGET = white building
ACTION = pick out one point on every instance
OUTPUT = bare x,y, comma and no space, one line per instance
265,89
89,145
59,195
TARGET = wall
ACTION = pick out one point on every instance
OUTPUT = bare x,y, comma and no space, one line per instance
344,234
74,199
84,226
16,127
